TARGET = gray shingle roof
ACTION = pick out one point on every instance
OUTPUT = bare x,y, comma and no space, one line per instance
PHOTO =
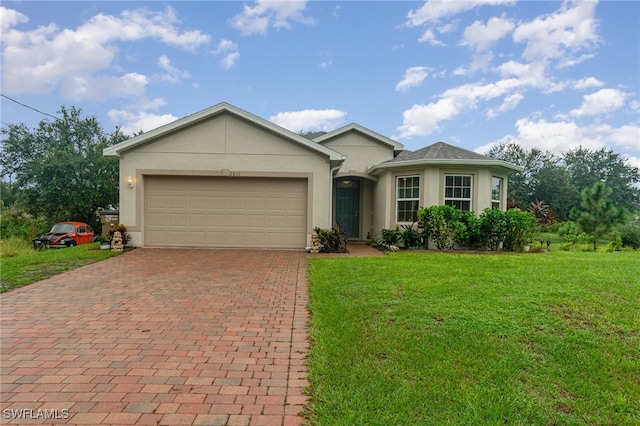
439,151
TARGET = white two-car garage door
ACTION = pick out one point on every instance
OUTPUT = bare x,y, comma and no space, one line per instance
225,212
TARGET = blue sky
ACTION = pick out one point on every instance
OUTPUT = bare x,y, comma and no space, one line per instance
551,75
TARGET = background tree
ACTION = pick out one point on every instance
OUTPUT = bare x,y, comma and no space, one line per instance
522,185
597,214
586,167
58,170
560,179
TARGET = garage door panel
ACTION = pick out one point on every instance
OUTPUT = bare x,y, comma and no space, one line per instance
177,201
236,220
197,220
177,220
225,212
177,237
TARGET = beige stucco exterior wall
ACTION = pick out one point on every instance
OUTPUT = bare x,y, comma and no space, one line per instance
224,145
432,180
362,152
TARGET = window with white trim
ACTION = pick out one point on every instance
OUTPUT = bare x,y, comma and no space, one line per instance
496,192
408,198
457,191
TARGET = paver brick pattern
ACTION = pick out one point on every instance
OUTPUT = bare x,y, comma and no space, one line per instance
161,337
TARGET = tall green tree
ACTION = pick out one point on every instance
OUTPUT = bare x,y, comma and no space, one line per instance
597,213
587,167
57,169
560,179
522,185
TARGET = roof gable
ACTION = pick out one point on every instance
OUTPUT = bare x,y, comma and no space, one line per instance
397,146
221,108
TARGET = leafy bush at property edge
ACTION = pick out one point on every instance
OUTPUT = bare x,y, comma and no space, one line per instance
630,232
332,240
18,223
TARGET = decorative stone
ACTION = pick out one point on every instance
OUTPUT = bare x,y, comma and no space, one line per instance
315,244
116,242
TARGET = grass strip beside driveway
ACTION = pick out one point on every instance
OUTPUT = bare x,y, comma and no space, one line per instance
433,338
38,265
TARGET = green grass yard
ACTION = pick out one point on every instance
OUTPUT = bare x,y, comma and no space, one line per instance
465,339
29,265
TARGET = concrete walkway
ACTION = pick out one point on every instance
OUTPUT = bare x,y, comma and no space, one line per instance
161,337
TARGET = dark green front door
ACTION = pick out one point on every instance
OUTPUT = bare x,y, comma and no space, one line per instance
348,208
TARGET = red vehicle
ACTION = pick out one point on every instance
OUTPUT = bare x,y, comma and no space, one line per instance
65,234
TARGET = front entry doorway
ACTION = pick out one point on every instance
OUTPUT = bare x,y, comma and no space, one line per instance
348,206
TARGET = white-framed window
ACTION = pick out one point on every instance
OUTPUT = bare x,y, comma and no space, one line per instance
496,192
408,198
457,191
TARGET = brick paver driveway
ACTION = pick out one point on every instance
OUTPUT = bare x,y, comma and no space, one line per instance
160,336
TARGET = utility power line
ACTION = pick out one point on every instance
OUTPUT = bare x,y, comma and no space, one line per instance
30,107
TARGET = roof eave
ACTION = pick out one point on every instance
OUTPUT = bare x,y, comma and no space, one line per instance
379,168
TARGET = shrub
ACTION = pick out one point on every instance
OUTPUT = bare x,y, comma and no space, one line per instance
441,225
615,245
630,233
18,223
13,246
410,236
469,234
579,241
492,226
568,228
390,237
520,226
332,240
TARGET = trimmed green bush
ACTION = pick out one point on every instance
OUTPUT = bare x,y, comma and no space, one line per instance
447,227
441,224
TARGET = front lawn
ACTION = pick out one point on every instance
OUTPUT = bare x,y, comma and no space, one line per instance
36,265
464,339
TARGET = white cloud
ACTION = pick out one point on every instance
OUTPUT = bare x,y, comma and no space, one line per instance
413,77
423,120
10,18
265,13
173,74
434,10
602,101
587,83
133,122
309,119
481,37
47,58
429,37
100,88
229,52
561,136
510,102
633,161
560,34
